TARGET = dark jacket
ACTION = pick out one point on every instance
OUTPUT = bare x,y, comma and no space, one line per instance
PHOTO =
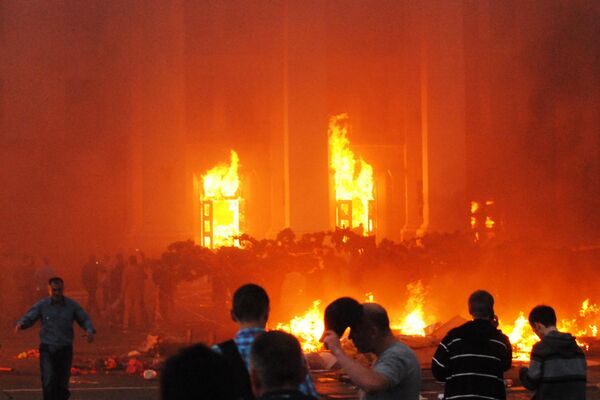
285,394
557,369
471,360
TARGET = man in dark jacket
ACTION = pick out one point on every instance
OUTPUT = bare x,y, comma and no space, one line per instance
472,358
557,369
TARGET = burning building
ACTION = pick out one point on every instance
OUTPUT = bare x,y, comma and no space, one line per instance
221,205
354,189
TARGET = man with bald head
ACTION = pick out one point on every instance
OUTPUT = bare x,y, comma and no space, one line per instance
395,375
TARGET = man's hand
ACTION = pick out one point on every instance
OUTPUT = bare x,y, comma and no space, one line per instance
89,337
332,342
18,327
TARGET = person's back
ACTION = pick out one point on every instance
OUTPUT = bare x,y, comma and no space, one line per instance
472,358
251,312
197,373
557,370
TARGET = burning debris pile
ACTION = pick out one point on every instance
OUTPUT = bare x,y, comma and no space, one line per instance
440,271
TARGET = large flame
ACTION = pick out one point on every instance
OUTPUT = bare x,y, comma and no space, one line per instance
353,178
308,328
413,321
221,188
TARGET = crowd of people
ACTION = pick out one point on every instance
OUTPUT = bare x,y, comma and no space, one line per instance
470,360
268,365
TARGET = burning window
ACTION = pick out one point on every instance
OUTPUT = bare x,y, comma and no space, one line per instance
483,219
353,179
222,206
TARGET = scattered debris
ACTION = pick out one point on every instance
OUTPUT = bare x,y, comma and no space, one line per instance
32,353
150,374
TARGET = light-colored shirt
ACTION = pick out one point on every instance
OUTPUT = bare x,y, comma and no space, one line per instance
399,364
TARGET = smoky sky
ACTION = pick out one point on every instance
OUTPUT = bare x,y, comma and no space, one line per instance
108,109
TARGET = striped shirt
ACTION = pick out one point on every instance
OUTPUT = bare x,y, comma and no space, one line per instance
471,360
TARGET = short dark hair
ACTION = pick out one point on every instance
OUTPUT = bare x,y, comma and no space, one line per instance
277,359
543,314
250,303
481,304
196,372
56,279
375,315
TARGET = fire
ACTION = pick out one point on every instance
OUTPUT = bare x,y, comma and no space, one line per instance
353,179
308,328
413,323
523,338
369,297
221,205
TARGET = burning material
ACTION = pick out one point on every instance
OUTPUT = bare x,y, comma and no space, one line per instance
222,205
308,328
523,338
483,219
413,323
354,188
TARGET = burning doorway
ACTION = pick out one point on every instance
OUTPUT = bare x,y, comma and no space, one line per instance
222,213
354,189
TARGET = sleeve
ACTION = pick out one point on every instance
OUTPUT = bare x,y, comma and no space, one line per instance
440,360
392,366
83,319
507,361
530,377
307,387
31,316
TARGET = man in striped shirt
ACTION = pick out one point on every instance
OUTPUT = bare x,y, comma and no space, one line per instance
472,358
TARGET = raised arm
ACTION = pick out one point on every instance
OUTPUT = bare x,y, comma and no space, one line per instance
363,377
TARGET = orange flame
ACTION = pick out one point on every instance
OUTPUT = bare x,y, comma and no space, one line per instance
221,187
353,178
413,322
523,338
308,328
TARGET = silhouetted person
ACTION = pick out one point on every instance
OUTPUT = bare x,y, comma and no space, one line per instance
472,358
89,279
277,367
57,314
251,312
557,369
395,375
115,286
197,373
133,294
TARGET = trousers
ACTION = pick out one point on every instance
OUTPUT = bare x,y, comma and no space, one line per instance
55,368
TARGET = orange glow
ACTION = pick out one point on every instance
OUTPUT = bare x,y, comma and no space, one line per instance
489,222
308,328
353,179
221,205
413,322
523,338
